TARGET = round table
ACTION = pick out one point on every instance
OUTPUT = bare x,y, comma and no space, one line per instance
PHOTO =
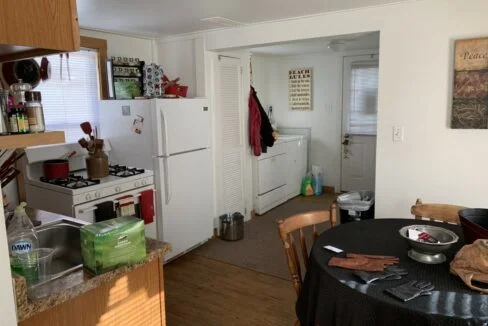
334,296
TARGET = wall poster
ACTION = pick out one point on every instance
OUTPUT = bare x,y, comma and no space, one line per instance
470,91
300,89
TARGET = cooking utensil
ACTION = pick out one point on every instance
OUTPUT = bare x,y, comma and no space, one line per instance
29,71
67,65
11,161
56,169
68,155
83,142
429,253
45,69
87,128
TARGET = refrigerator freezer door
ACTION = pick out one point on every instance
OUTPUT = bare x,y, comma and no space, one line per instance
183,125
187,219
128,126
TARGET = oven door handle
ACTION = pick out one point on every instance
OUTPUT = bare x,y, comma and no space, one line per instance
135,196
89,209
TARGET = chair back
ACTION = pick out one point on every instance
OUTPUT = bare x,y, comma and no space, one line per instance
436,212
287,226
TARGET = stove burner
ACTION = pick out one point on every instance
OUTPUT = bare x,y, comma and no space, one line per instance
72,182
123,171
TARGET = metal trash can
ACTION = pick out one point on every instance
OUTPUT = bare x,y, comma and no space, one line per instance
356,206
232,226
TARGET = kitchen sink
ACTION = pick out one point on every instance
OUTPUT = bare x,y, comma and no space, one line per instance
64,237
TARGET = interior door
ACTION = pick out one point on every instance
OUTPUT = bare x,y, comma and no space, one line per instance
230,144
359,117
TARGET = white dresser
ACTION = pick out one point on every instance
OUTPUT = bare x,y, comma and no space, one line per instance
277,174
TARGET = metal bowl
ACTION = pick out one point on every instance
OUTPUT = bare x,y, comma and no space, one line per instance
429,253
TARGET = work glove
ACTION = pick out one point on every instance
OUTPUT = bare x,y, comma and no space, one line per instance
411,290
390,273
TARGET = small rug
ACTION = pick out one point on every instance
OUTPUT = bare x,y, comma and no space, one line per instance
261,249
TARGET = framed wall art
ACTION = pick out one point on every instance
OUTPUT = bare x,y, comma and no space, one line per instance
470,90
300,89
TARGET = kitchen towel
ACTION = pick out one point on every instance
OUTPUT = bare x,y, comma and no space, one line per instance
105,211
147,206
126,205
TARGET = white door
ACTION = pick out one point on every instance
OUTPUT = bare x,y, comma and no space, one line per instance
230,144
185,125
359,115
186,199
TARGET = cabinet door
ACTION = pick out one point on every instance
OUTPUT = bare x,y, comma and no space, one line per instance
43,24
272,173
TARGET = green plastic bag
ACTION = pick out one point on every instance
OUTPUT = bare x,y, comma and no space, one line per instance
307,189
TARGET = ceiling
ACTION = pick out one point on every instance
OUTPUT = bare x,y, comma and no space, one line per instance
165,17
352,42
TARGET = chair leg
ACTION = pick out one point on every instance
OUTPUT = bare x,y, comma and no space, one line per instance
297,323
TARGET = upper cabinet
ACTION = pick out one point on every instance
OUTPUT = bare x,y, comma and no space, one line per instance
31,28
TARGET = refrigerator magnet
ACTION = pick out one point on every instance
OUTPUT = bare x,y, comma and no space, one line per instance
138,124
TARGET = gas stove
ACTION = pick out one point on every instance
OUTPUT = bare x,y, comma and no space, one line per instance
79,196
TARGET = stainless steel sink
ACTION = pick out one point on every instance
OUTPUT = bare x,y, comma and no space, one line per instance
64,237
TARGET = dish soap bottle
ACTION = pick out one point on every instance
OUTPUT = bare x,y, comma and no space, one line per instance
22,239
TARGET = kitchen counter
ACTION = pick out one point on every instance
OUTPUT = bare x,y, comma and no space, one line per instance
75,284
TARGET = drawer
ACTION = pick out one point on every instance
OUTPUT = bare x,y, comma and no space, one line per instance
270,200
271,173
277,149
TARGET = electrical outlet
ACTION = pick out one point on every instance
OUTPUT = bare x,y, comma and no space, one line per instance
125,109
398,134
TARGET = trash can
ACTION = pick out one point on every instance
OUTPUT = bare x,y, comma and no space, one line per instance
356,206
232,226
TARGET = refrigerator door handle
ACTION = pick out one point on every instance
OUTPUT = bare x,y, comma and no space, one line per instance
164,134
167,182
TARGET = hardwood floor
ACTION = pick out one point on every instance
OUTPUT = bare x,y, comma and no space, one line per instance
203,291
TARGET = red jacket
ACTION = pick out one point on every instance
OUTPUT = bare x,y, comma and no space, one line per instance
254,125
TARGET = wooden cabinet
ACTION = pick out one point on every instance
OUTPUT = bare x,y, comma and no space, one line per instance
22,141
136,298
31,28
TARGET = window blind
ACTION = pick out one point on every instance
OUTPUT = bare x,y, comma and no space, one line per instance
69,102
363,98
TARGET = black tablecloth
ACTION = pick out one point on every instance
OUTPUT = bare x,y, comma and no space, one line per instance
334,296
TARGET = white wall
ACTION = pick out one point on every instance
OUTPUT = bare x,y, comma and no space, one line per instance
434,162
324,120
126,46
184,58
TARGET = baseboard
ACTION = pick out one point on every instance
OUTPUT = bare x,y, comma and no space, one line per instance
329,190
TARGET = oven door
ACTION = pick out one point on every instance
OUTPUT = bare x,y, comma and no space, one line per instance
86,211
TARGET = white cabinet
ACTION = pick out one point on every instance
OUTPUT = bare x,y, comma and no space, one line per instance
278,173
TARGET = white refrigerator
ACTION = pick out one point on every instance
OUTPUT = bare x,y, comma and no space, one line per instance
172,137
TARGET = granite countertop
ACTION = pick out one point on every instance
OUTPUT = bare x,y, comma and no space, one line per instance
74,284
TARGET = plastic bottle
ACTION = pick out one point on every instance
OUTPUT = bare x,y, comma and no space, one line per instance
22,239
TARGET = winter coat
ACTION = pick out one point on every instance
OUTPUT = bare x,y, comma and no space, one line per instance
254,124
266,131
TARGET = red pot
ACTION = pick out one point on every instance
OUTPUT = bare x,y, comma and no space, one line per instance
56,169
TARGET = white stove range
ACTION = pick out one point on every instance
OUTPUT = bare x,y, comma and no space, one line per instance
78,196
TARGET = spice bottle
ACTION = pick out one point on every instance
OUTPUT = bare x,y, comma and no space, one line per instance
22,122
12,121
35,112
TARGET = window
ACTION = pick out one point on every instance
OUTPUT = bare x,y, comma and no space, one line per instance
67,101
363,98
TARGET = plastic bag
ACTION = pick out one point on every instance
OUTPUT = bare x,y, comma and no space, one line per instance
307,189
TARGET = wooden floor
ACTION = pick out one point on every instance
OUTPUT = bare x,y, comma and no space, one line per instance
202,291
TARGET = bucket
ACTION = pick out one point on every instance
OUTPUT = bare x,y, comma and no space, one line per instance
232,226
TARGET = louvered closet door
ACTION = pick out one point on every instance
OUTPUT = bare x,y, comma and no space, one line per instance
230,136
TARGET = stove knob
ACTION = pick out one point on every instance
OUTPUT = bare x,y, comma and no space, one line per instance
143,182
136,184
117,189
88,197
97,194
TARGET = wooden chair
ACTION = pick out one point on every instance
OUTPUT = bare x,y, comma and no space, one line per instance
436,212
298,222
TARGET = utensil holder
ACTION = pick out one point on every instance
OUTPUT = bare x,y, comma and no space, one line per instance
97,165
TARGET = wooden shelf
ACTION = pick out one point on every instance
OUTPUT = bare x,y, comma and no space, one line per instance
22,141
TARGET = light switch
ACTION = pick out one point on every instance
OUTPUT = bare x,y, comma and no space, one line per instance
125,109
398,134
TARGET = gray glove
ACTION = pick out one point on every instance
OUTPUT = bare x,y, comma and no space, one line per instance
411,290
390,273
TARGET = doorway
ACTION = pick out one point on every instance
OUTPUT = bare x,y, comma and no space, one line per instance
359,122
